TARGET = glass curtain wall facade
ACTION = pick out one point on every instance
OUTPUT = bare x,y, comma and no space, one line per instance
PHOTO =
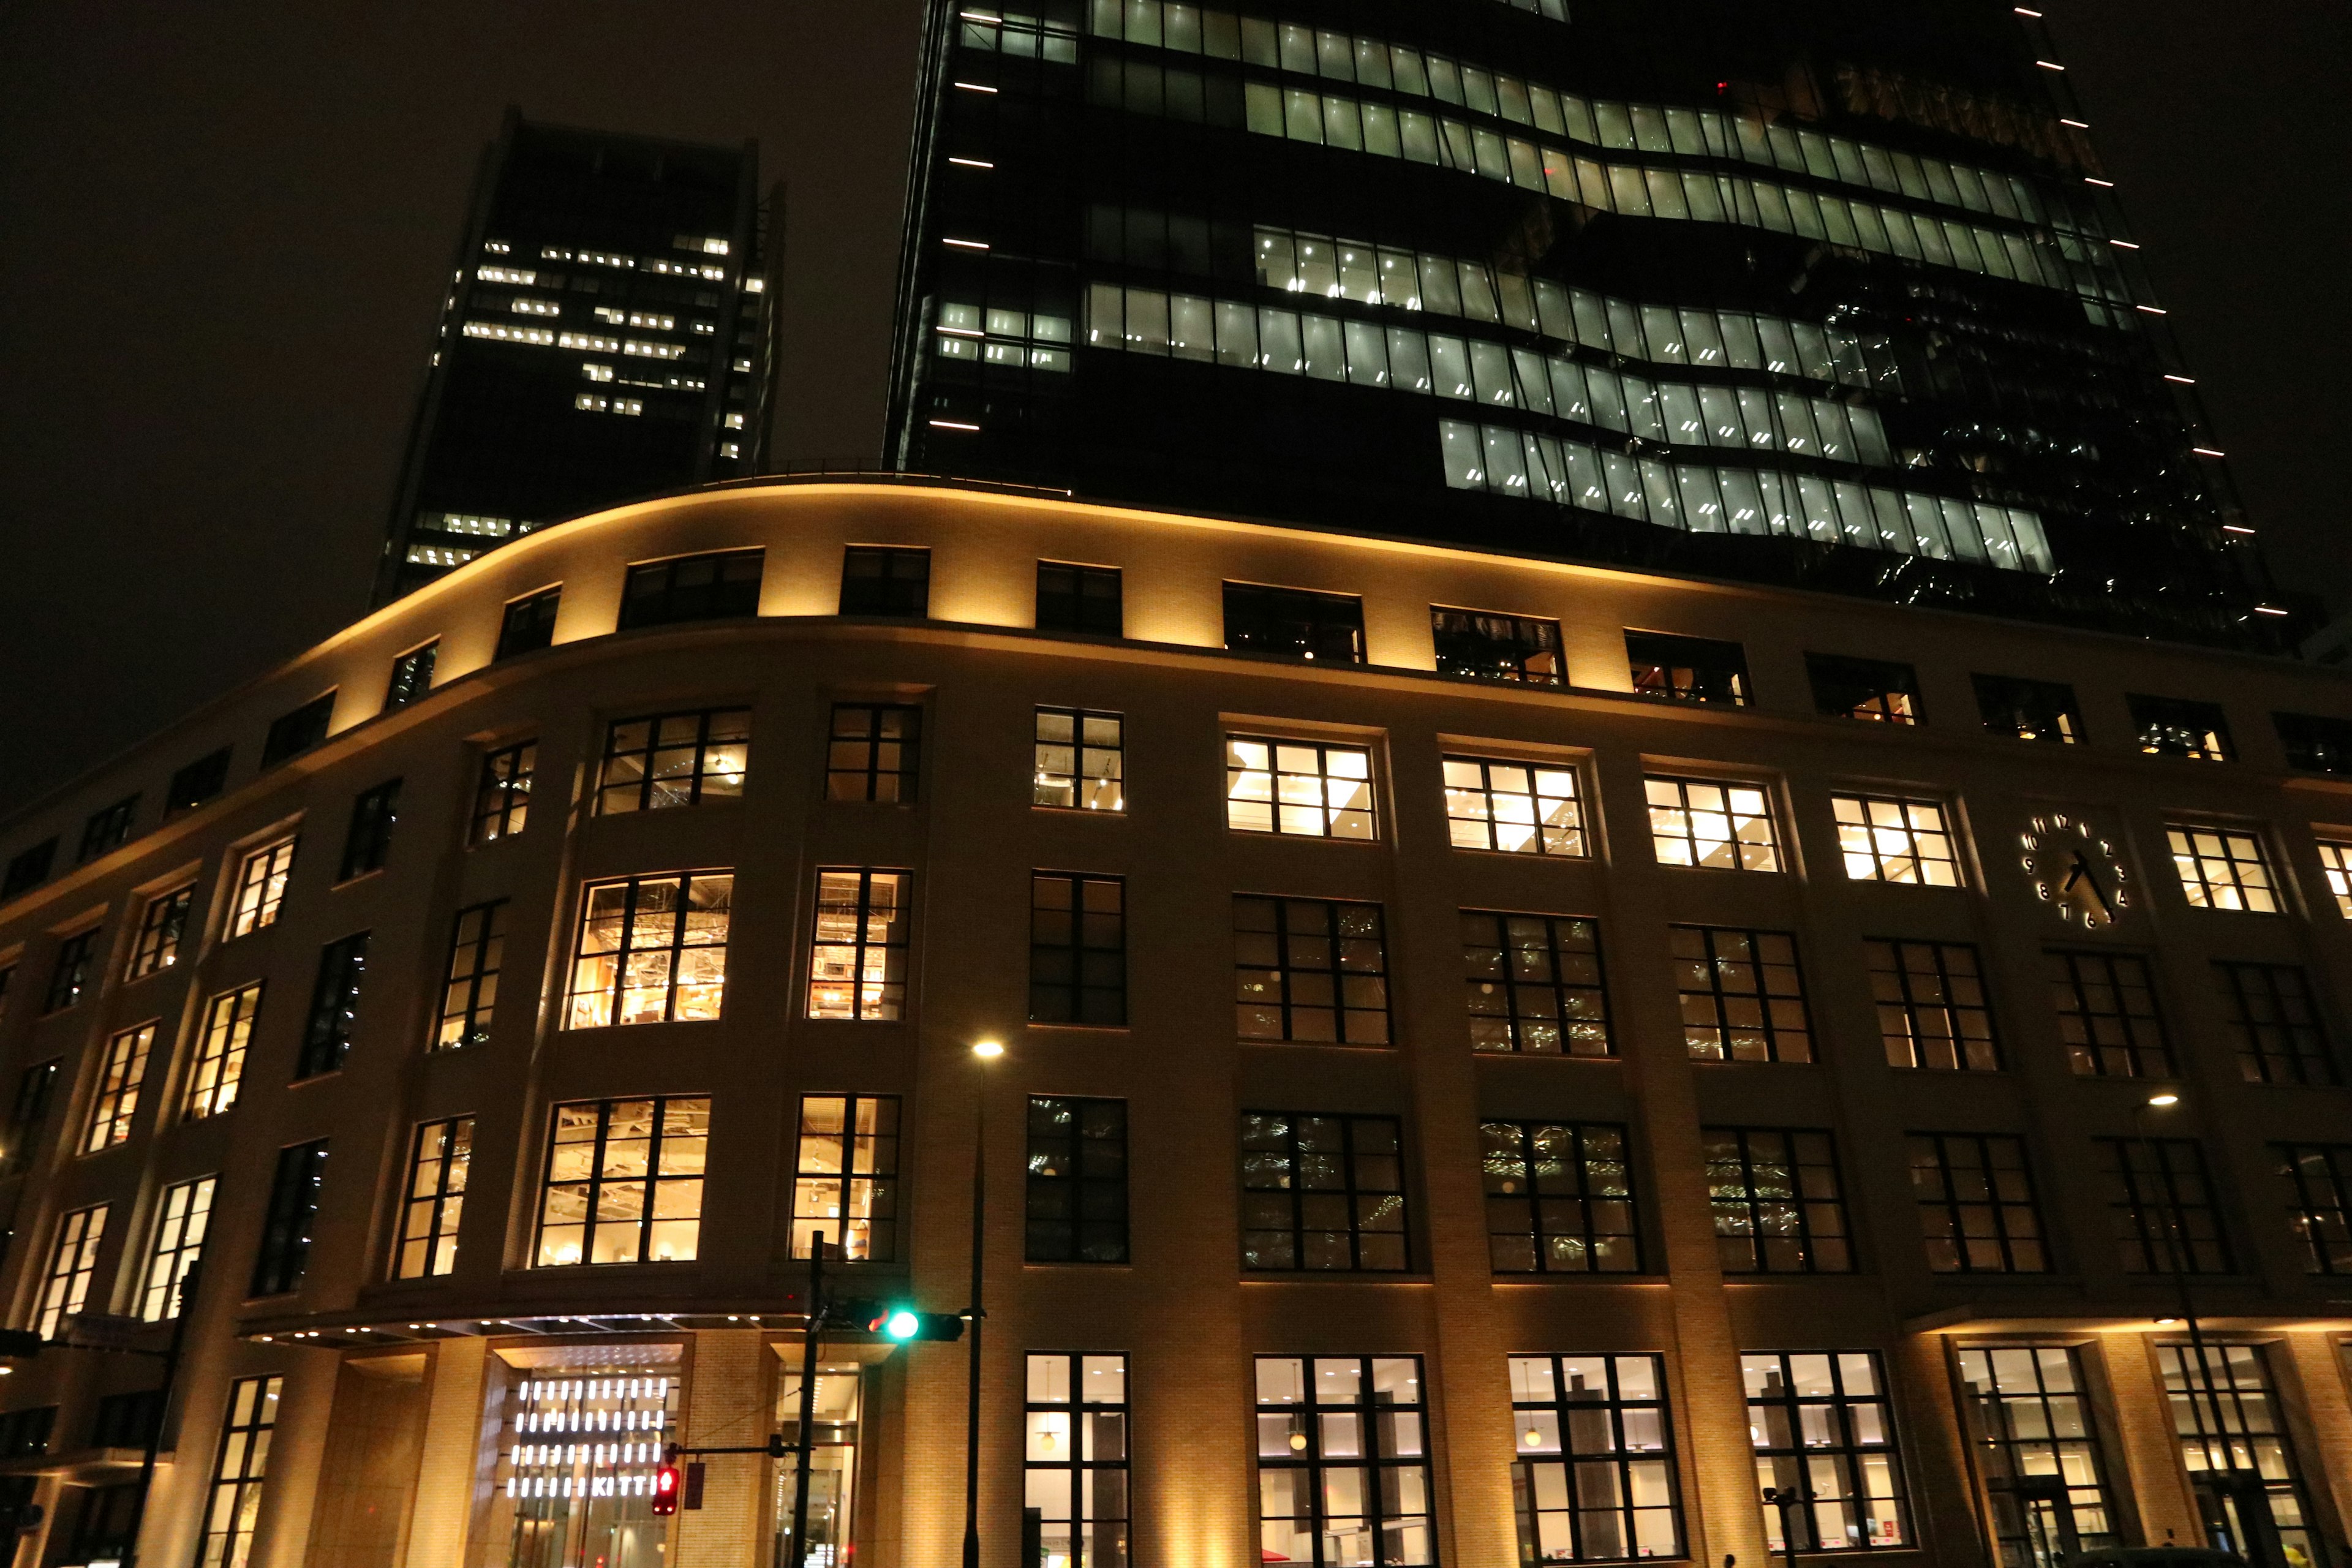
1818,293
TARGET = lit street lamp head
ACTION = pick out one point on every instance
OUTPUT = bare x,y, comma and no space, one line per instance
987,1051
2165,1098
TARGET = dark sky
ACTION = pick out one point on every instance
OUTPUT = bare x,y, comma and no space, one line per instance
223,230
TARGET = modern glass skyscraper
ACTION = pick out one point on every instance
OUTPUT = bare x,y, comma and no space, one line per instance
604,336
1821,293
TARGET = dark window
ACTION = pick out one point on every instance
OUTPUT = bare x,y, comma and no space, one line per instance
1082,599
1294,623
412,675
2176,727
1687,669
884,580
1932,1007
334,1002
691,588
2320,1178
1496,648
1077,1181
1343,1462
2162,1201
197,783
29,869
2106,1016
2037,1441
126,1420
2320,745
76,954
102,1527
1876,689
1560,1198
470,994
528,624
17,1493
162,924
2028,709
25,1433
286,1224
291,734
1778,1206
502,795
1310,970
1077,949
846,1184
2275,1024
1977,1208
1594,1481
1823,1429
369,838
873,753
34,1086
1743,995
674,759
1535,984
107,828
1322,1192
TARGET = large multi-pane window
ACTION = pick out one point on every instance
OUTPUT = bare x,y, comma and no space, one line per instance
1077,949
215,1077
873,753
846,1179
2029,1411
1488,646
1886,839
1520,808
2319,1184
73,1264
1743,995
1308,788
368,841
665,760
502,795
181,1221
1074,1458
2221,868
2276,1025
2106,1016
1779,1208
284,1253
262,886
1821,1426
2335,863
469,993
1343,1462
857,965
1077,1181
162,925
1720,827
2162,1200
623,1182
652,950
528,623
691,588
1687,669
334,1006
434,1200
1311,969
2177,727
1977,1208
1535,984
1081,760
1082,599
1560,1198
1322,1192
233,1502
1294,623
2028,709
70,970
1878,689
1933,1011
2226,1414
1594,1476
118,1080
886,580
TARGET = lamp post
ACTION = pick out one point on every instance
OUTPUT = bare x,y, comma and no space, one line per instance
2175,1253
984,1052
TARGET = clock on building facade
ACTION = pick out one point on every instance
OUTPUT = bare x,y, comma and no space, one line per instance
2076,872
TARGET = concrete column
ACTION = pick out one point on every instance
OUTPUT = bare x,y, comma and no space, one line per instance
445,1471
2320,1368
726,1408
2151,1450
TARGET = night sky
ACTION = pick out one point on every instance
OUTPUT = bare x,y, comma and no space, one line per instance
224,231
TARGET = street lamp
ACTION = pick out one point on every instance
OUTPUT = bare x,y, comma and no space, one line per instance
984,1052
2176,1254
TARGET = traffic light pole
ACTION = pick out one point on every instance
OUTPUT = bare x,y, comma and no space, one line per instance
976,1316
817,1309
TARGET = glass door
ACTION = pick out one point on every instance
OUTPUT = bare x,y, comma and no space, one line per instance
833,1466
577,1457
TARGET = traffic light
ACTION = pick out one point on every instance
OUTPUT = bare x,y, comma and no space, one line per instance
664,1494
900,1322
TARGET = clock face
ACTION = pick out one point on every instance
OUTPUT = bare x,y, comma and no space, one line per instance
2074,871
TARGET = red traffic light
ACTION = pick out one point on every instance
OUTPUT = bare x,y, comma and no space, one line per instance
665,1493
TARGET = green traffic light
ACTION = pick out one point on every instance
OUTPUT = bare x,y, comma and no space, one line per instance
902,1324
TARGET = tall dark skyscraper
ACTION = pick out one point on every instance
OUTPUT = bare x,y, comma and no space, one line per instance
1820,292
606,335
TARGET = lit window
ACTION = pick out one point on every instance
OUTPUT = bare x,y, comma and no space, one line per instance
2335,861
2226,1414
2161,1201
658,322
233,1502
673,760
652,950
2033,1418
1520,808
588,402
1777,1208
623,1183
1560,1198
594,372
1932,1007
590,341
2175,727
289,1219
1488,646
1687,669
858,964
647,349
1595,1471
219,1068
1535,984
1074,1458
1309,970
1300,787
2319,1176
846,1181
502,793
1322,1193
435,1199
1081,760
2223,869
522,306
2106,1016
1977,1208
262,886
438,556
1824,1431
1743,995
73,1264
2275,1024
1871,688
475,523
181,1221
1343,1462
873,753
506,274
118,1080
470,994
1890,840
1721,826
1078,950
161,927
499,331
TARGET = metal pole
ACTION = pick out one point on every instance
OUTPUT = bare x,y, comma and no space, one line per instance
808,1397
2176,1254
186,1294
975,1315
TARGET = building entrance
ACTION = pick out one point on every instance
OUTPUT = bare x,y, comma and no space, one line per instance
833,1467
579,1452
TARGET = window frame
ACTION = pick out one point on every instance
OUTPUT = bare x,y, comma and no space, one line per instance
609,997
2336,869
484,955
2088,1057
1722,681
653,1181
1911,1006
2039,712
2262,895
282,1260
2310,1060
905,779
1580,1006
1080,1535
1082,577
107,828
1559,1422
173,1252
1309,624
1081,757
216,1070
70,970
335,1005
367,841
1865,822
240,1470
440,1162
1803,1204
1466,650
651,784
1587,1171
887,594
1734,819
2007,1448
878,1180
2169,1244
896,951
121,1075
412,675
2016,1230
72,1269
196,783
1067,1186
298,730
1768,1027
2319,1216
1295,1231
1331,813
732,592
524,628
1073,946
163,926
1540,826
1847,1454
259,894
1889,688
1306,1418
1294,983
502,805
2164,727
